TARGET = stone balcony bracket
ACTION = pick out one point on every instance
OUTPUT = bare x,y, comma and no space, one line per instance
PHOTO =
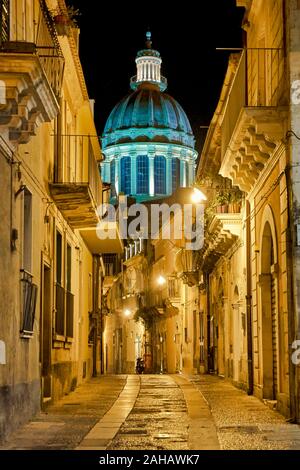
27,99
256,137
223,232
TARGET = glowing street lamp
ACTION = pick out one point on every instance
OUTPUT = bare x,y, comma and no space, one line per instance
127,312
198,196
161,281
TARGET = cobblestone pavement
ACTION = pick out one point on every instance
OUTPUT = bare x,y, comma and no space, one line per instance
157,412
158,420
66,423
244,422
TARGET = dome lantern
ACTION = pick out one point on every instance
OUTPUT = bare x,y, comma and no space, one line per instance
148,62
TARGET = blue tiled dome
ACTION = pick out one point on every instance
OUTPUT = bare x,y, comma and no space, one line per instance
148,115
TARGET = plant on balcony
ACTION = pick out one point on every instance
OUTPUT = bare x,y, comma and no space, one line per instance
64,20
222,201
235,201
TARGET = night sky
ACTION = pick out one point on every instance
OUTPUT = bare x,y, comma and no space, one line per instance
186,36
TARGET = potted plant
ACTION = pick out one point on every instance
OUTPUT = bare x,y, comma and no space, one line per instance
235,201
221,202
64,20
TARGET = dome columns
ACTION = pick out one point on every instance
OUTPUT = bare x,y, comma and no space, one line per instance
169,152
182,173
133,158
148,69
151,156
191,170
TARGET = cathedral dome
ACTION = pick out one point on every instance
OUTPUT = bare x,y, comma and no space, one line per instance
148,143
146,115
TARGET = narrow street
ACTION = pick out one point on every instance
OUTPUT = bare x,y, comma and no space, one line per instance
156,412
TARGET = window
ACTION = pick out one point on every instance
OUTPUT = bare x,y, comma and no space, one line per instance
126,175
69,295
113,177
4,21
58,258
111,264
160,175
175,174
29,304
59,290
142,174
173,287
64,299
69,267
27,231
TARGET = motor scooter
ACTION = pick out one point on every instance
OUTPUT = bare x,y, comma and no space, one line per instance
140,367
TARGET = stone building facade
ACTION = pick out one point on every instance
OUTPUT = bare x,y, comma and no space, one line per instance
51,273
247,263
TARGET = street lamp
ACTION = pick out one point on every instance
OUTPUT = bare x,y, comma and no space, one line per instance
127,312
161,281
198,196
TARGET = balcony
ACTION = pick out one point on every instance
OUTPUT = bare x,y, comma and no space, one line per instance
186,267
31,69
253,122
223,233
163,83
77,187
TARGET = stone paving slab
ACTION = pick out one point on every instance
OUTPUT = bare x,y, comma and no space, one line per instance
106,429
64,424
202,428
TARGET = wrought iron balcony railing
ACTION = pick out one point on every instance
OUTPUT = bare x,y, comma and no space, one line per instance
162,83
77,187
32,32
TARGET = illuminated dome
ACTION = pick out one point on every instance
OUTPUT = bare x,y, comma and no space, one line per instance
148,114
148,142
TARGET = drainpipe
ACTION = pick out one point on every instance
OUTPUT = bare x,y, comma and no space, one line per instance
96,287
291,242
291,304
249,300
208,320
101,323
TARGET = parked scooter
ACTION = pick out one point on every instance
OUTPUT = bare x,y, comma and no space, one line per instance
140,367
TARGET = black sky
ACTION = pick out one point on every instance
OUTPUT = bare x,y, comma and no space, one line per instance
185,33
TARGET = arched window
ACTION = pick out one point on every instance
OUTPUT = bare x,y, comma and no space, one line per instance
175,174
113,178
126,175
160,175
142,174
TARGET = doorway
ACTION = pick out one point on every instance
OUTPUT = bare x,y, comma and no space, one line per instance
269,316
46,334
